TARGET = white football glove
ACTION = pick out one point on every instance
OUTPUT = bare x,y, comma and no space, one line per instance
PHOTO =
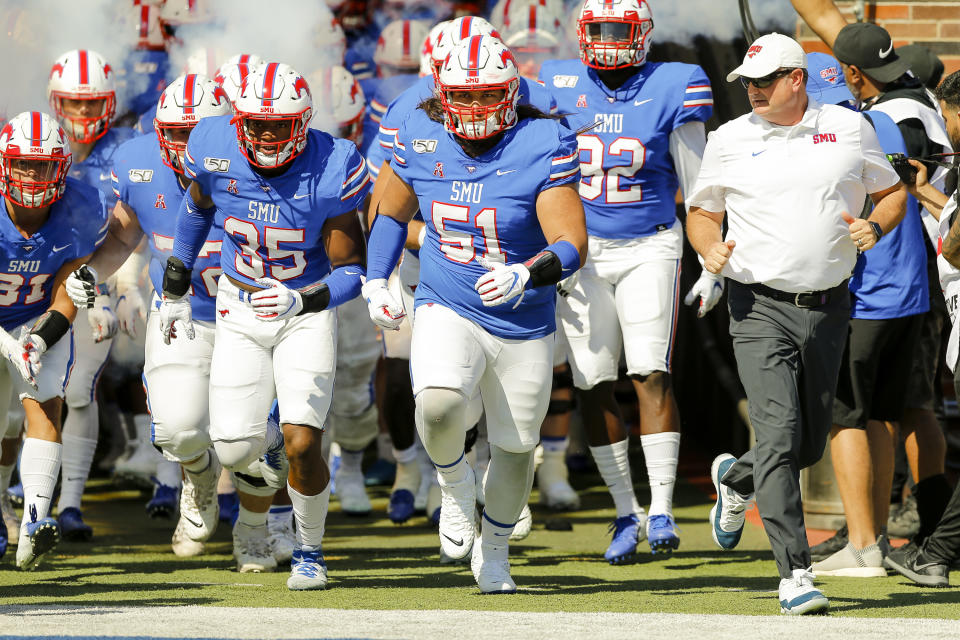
383,308
276,302
102,319
24,354
130,308
82,287
709,289
502,283
566,286
172,311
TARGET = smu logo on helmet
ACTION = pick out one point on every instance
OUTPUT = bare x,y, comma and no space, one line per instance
505,56
301,85
58,68
830,74
754,50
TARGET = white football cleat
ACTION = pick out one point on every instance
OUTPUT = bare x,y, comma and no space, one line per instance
283,540
308,571
183,546
352,492
524,524
554,484
141,465
199,509
37,539
458,516
491,568
10,518
251,549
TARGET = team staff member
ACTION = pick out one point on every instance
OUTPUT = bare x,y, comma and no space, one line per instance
789,250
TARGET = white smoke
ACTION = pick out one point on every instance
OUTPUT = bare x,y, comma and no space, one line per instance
679,21
41,30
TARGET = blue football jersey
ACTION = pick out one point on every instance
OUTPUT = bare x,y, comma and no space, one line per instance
145,78
151,189
385,91
358,59
628,180
530,93
145,121
484,210
77,225
272,226
96,169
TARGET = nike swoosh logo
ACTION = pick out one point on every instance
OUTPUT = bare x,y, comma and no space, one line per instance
459,542
637,103
74,479
352,273
758,153
104,177
301,196
884,54
198,525
501,535
58,249
503,173
515,279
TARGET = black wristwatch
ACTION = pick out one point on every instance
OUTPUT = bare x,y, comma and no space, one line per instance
877,231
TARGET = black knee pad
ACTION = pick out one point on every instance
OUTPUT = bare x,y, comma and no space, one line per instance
559,407
471,438
562,379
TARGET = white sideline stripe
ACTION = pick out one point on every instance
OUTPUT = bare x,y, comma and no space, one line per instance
252,622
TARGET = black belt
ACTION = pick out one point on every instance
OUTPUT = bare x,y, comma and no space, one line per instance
803,300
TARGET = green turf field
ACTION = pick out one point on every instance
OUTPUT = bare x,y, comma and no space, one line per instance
374,564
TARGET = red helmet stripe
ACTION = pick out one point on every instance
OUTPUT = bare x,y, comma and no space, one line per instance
84,70
244,59
36,128
188,86
406,39
268,79
465,27
144,20
533,17
473,62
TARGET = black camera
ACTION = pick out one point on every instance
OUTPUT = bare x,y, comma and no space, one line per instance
901,164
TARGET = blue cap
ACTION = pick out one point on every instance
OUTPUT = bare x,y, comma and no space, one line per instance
826,83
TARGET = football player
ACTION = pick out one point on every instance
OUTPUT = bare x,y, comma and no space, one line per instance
52,224
643,135
504,224
83,97
149,180
397,57
287,197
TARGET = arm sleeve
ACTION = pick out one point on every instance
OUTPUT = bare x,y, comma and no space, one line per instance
564,161
697,99
356,182
686,148
193,225
877,173
709,191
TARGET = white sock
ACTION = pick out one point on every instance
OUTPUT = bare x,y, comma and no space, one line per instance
39,467
351,461
77,456
614,466
454,472
660,450
6,473
168,474
280,515
408,455
493,532
310,515
251,519
409,474
144,426
199,465
385,450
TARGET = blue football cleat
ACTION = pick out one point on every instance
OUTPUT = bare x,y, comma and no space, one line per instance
401,506
229,507
623,547
163,504
72,526
39,538
380,474
307,570
662,533
16,494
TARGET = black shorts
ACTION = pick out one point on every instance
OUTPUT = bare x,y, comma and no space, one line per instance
921,389
875,370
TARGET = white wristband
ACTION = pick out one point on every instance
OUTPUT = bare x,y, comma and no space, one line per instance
422,235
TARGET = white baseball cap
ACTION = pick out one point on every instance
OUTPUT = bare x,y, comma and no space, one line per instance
769,53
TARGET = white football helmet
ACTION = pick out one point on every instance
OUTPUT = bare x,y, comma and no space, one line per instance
456,31
614,33
181,106
34,160
481,65
271,95
230,77
85,79
426,57
399,47
532,36
203,61
340,103
149,29
330,38
179,12
500,16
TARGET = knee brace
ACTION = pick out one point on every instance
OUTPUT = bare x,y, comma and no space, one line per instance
239,455
355,433
181,445
252,485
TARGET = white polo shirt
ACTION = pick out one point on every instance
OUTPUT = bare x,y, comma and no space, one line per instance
784,189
